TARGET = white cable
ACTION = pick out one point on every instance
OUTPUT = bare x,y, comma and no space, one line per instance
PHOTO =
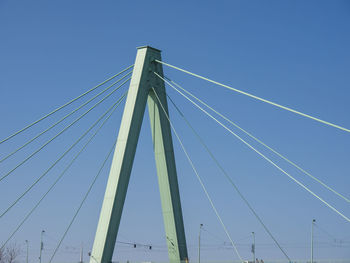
256,97
230,180
261,154
262,143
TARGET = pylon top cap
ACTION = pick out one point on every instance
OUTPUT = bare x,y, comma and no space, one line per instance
150,48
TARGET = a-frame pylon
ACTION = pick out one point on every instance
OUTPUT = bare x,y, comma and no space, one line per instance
142,81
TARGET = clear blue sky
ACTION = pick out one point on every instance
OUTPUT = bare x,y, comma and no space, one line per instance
295,53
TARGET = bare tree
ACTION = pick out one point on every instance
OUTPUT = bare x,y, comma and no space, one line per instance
9,254
2,255
12,252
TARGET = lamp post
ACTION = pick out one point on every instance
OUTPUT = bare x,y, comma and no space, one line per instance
27,251
41,244
312,240
253,247
81,253
199,243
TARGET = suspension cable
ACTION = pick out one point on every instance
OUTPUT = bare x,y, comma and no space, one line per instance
60,158
62,119
259,153
66,104
256,97
61,175
58,134
82,202
199,178
228,177
262,143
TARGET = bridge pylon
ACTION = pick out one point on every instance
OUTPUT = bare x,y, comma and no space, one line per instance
140,91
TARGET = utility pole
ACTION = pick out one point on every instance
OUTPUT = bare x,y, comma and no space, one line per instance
312,240
199,243
27,251
253,247
41,244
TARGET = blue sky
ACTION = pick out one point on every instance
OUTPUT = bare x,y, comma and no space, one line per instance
295,53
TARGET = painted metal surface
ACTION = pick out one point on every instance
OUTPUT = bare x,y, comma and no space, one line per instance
140,92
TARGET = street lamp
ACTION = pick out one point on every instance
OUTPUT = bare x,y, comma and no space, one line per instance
253,247
27,250
81,253
312,240
41,244
199,243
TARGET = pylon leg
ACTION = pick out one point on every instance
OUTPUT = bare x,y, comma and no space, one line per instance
167,177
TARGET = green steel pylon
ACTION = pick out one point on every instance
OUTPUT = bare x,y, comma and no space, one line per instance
140,92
